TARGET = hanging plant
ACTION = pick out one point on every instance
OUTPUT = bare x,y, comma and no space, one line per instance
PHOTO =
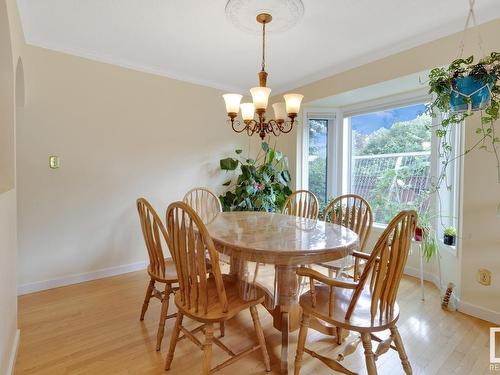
461,90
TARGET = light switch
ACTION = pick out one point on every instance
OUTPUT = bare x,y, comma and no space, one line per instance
54,162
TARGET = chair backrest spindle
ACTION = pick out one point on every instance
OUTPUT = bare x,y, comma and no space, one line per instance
205,203
154,233
302,203
190,242
385,265
351,211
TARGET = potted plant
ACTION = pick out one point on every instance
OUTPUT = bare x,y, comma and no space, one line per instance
460,90
260,185
464,86
419,233
425,233
450,236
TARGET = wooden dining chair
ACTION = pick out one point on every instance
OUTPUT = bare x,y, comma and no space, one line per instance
205,203
206,299
302,203
367,306
354,212
161,270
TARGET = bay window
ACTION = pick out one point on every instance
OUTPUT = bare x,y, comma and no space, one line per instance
384,151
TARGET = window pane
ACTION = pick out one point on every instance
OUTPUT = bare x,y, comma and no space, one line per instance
391,159
317,157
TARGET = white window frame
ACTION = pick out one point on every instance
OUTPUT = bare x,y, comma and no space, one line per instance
339,150
451,203
334,135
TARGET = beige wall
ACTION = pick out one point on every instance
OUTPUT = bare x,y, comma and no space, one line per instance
8,300
480,236
7,143
120,134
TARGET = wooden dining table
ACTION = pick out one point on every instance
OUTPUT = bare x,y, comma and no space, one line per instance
283,241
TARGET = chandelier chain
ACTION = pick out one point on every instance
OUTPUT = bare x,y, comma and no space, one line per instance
263,46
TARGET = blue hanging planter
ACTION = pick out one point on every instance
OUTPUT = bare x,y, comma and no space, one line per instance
465,88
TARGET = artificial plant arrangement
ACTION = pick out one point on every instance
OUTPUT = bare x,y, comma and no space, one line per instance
261,184
460,90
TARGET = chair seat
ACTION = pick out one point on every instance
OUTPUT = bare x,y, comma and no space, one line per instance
333,310
214,311
170,272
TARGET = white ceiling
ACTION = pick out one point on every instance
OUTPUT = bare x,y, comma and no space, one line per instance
192,40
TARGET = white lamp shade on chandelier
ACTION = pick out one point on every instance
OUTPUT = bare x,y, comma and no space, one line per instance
260,96
293,103
279,111
232,102
247,111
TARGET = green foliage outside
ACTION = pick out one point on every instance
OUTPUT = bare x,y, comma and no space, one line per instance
259,184
318,133
403,136
387,196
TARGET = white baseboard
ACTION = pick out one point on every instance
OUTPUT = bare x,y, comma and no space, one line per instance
415,272
463,307
13,353
479,312
80,278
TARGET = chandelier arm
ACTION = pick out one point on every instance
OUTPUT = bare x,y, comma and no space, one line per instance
236,124
251,129
287,126
274,127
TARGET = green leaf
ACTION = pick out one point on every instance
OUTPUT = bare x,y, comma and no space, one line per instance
271,154
229,164
238,151
286,175
265,146
227,183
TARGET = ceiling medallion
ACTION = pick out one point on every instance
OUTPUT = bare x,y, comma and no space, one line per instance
286,14
260,97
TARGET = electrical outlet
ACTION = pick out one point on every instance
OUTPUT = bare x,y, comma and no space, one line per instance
484,277
54,162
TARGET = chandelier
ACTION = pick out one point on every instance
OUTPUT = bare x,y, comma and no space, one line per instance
260,97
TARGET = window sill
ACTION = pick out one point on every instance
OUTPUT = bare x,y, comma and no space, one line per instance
451,249
377,229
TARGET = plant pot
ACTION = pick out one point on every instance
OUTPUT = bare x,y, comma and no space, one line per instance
449,240
476,90
419,234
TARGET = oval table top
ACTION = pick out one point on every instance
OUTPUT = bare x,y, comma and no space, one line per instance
280,239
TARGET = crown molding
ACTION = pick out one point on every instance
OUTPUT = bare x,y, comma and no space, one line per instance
143,68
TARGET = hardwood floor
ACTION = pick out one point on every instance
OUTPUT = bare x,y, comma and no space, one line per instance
94,328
